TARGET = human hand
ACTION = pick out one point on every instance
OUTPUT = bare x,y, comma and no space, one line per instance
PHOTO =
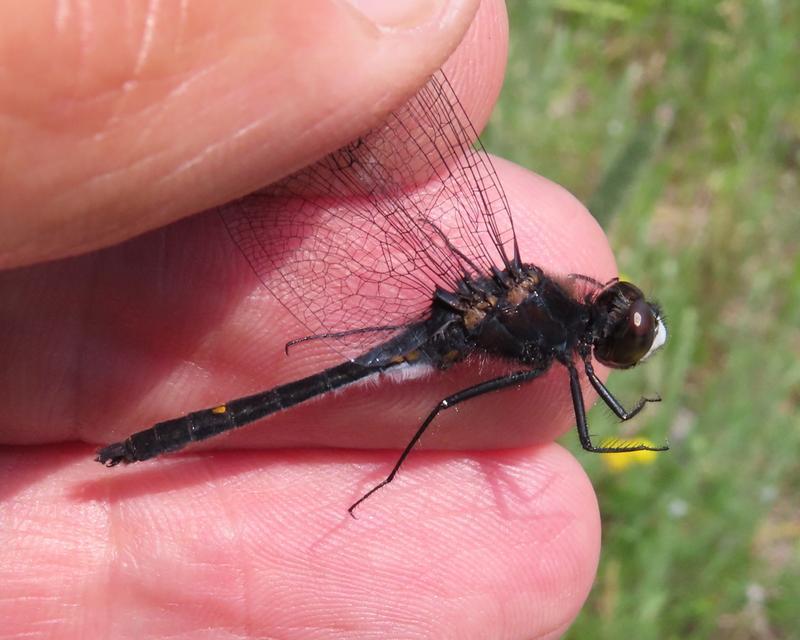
256,543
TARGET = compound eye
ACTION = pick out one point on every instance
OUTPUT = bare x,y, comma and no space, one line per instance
632,338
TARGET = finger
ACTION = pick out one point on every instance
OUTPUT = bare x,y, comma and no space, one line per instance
110,343
259,544
141,117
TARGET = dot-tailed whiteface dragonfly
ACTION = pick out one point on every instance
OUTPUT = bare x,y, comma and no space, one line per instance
402,279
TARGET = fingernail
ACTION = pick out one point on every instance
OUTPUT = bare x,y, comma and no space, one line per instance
398,13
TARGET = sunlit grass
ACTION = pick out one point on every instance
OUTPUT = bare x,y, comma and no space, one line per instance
679,124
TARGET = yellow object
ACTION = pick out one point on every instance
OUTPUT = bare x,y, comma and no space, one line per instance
618,462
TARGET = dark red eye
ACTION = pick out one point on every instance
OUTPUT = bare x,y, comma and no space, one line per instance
629,329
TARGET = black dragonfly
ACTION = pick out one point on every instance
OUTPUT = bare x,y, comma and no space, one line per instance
406,280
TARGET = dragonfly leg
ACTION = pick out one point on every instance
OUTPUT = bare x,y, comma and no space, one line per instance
610,400
480,389
580,413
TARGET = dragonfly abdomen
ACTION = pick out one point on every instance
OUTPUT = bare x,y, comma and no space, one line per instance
175,434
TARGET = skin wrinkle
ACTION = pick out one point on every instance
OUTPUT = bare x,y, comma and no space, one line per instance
245,568
146,41
204,153
160,106
195,75
96,181
242,132
210,149
105,127
312,130
47,125
164,105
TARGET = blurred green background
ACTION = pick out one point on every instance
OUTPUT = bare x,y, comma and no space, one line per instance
678,123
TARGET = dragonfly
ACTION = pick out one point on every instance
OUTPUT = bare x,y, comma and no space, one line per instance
399,251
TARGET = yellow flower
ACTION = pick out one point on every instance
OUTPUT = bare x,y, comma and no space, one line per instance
618,462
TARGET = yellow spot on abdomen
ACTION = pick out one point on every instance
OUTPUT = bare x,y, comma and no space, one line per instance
220,409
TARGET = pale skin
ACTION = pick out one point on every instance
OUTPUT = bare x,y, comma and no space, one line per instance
490,530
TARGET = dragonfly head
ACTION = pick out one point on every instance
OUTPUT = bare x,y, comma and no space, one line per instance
628,328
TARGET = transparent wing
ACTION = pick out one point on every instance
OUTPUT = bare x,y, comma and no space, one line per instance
365,236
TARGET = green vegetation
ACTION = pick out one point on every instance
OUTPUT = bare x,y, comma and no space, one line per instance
679,124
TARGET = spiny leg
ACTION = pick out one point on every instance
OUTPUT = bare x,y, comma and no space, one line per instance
580,417
608,397
488,386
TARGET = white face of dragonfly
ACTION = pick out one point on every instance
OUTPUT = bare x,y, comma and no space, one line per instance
658,340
